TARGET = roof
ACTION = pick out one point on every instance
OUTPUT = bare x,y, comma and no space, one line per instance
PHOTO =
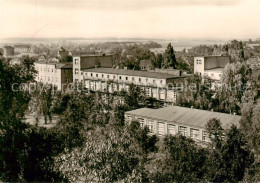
145,62
212,56
186,116
133,73
8,47
58,65
21,46
216,69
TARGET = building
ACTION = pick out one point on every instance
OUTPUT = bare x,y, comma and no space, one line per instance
81,63
8,51
211,66
146,65
160,86
23,48
58,74
174,119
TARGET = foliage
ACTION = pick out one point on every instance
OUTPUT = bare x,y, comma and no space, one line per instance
169,58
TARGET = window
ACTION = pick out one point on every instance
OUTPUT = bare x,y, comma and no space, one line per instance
212,74
205,74
133,78
76,71
91,74
126,78
150,126
128,118
146,80
161,81
140,79
120,77
194,133
183,130
108,76
102,75
171,129
51,70
154,81
205,136
97,75
220,75
81,73
76,80
76,61
114,77
161,128
141,121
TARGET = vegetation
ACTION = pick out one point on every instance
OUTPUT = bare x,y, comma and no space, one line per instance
92,142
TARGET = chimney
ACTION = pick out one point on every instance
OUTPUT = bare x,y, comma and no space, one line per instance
212,110
191,107
125,68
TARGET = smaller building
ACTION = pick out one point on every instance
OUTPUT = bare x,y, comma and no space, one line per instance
211,66
174,119
146,65
58,74
8,51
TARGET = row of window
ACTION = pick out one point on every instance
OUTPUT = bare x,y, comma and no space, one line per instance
119,77
171,129
45,78
45,69
198,62
212,74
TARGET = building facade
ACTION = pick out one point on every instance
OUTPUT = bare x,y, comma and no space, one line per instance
160,86
174,119
211,66
8,51
81,63
58,74
23,49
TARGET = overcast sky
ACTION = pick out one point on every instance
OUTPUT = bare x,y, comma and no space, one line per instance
130,18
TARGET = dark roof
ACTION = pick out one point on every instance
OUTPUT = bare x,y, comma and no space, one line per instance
58,65
21,46
186,116
8,47
133,73
145,62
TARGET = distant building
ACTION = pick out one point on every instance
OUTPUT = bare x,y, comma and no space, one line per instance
81,63
146,64
257,48
8,51
58,74
157,85
186,121
211,66
23,48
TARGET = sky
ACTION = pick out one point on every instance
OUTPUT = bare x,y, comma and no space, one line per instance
172,19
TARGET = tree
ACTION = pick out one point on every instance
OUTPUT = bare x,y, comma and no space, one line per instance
181,160
109,155
169,58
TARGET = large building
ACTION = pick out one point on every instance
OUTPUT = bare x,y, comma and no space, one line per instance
160,86
58,74
24,48
210,66
173,119
81,63
8,51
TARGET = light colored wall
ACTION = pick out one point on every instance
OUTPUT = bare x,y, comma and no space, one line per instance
130,118
199,67
48,74
216,75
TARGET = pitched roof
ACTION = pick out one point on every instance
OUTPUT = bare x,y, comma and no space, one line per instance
58,65
187,116
133,73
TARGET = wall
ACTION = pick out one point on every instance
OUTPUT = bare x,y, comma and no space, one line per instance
216,62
